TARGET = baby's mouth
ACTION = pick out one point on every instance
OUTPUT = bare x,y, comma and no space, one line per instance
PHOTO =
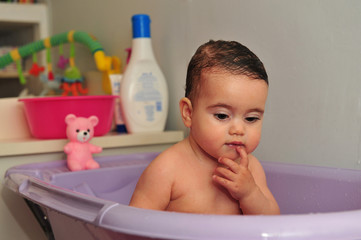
234,144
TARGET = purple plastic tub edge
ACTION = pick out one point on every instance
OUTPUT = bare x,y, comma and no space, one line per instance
316,203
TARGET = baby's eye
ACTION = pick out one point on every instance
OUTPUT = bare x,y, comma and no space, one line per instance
252,119
77,130
221,116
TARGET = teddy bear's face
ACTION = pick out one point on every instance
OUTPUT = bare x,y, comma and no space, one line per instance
80,129
83,135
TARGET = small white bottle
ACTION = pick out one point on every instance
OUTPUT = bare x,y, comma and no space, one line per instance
144,92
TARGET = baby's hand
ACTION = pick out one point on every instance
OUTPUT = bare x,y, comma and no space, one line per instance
236,178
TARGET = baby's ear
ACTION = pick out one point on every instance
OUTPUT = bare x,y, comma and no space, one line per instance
93,120
186,109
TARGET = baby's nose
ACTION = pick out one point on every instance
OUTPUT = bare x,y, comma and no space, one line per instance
237,129
85,133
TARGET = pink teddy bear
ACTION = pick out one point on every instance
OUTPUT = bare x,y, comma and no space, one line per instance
79,131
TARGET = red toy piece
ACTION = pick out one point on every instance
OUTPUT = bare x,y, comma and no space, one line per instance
36,69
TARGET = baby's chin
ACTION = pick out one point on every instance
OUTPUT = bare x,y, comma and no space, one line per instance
233,156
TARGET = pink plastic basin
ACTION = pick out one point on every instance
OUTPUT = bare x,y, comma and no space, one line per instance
46,115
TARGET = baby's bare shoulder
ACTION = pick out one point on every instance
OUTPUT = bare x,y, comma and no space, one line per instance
253,162
154,188
170,159
257,170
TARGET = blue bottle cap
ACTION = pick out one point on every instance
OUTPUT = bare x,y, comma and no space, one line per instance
141,26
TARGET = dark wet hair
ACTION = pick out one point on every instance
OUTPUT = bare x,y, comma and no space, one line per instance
229,56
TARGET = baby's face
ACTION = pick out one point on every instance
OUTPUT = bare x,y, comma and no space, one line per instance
227,113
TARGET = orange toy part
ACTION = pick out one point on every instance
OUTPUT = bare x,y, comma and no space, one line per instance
73,88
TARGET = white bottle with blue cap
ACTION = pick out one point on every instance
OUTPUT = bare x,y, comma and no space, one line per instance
144,92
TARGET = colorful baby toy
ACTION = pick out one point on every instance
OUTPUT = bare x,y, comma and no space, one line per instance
72,81
79,131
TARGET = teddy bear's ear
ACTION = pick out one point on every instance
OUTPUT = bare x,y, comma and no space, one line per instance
93,120
70,118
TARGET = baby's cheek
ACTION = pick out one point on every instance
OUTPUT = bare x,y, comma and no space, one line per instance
210,146
253,142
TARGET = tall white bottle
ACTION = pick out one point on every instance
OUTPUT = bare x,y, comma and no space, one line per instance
144,92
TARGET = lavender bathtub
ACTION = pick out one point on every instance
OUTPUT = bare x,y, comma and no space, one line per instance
316,203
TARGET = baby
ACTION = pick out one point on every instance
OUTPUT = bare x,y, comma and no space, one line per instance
213,170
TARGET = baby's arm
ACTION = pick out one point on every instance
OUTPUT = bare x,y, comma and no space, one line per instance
247,184
153,190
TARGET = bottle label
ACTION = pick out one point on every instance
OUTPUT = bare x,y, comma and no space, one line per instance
147,98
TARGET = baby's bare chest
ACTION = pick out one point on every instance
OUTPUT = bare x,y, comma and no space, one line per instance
197,193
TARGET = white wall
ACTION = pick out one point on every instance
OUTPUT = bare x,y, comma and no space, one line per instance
311,50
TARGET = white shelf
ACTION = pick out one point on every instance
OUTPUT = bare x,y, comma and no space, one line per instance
11,75
112,140
14,15
21,24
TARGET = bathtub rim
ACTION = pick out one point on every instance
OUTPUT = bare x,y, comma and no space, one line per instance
121,218
330,225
